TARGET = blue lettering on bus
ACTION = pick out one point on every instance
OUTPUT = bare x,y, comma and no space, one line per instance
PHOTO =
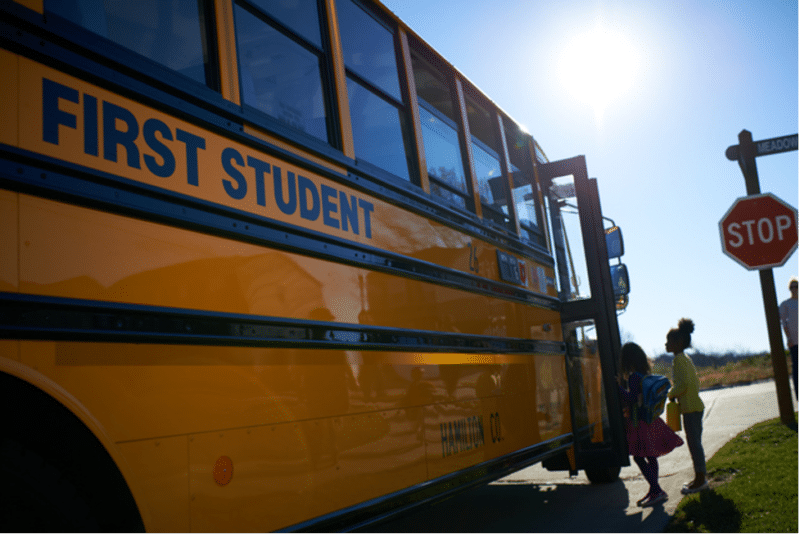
90,137
368,208
286,206
306,188
261,167
112,137
52,116
349,210
239,191
193,144
167,167
121,128
328,207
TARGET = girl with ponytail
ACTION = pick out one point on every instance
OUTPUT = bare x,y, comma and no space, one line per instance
686,389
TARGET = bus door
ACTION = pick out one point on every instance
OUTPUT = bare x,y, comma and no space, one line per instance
589,322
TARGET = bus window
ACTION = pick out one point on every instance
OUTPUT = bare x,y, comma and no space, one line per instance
524,190
377,130
440,136
301,17
171,33
564,213
486,163
368,48
281,74
373,87
525,202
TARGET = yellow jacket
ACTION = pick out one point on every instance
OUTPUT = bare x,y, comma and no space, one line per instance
685,385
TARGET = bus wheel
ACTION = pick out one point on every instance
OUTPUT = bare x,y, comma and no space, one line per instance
603,475
35,496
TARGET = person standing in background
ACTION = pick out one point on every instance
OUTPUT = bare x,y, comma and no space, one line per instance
686,388
788,312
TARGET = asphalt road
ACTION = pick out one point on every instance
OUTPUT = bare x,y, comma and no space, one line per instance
537,500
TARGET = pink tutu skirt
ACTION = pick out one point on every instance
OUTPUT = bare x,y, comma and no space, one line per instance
654,439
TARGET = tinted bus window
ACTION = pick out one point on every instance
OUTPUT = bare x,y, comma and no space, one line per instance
279,76
168,32
376,107
486,164
377,130
301,16
443,156
525,202
440,136
368,47
487,169
523,192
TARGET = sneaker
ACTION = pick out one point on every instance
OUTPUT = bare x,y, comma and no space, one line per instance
691,488
643,499
655,499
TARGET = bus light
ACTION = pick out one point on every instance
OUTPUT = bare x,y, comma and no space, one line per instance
223,470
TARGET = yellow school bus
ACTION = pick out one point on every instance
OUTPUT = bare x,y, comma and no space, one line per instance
278,266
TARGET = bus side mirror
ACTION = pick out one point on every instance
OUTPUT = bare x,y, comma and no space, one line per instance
614,244
619,280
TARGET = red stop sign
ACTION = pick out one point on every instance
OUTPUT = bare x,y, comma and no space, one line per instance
759,231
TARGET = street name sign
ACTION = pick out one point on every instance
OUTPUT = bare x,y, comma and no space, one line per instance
765,147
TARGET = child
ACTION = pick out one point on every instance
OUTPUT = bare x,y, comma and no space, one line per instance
686,388
646,441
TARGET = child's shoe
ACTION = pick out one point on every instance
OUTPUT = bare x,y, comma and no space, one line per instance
694,488
655,499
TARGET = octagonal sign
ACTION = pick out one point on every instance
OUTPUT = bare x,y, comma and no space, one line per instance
759,231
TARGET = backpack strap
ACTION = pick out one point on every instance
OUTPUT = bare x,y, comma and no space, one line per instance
639,398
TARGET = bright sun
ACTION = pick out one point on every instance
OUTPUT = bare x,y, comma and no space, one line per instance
597,67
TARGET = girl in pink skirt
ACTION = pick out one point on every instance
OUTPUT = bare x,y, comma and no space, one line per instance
646,441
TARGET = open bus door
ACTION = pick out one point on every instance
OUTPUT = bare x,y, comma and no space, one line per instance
591,331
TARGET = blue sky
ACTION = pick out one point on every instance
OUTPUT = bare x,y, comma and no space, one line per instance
697,73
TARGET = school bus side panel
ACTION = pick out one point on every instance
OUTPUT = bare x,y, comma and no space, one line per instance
9,127
113,258
9,258
313,463
83,124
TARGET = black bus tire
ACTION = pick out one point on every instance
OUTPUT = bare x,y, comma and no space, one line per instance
603,475
36,497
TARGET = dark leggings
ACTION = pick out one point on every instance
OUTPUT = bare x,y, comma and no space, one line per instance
649,467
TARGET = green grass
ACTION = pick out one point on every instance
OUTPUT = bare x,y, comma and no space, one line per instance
753,481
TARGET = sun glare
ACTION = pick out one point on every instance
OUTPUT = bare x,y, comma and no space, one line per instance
597,67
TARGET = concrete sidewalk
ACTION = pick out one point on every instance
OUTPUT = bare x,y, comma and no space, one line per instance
728,412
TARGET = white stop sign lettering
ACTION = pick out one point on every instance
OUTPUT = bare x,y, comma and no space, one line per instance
765,228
